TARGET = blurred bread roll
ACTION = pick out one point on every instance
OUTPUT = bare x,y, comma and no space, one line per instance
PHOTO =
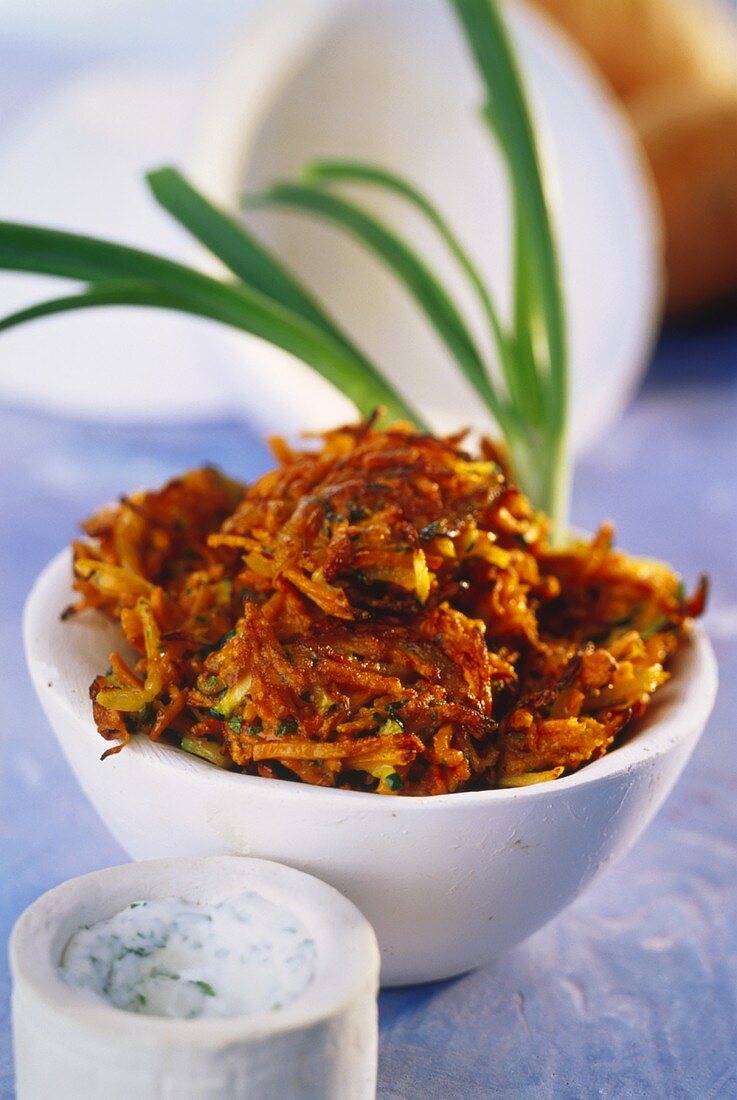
690,135
673,63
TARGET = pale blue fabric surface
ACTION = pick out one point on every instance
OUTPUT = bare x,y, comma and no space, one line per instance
630,993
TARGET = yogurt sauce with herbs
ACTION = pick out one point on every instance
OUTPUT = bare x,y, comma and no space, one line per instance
168,957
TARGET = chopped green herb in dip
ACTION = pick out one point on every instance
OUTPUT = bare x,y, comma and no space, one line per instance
169,957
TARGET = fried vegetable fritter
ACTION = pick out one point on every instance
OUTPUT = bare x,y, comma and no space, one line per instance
384,612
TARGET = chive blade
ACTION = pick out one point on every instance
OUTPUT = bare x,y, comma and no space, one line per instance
239,250
508,117
76,256
99,295
405,264
526,321
70,255
337,171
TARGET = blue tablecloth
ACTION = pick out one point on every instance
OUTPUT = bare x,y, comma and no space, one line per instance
630,993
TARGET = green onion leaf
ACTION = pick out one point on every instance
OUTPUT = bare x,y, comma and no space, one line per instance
527,393
72,256
102,294
507,114
330,171
404,262
345,171
241,252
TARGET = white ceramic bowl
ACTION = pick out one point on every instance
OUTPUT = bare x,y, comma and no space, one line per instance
70,1044
391,81
447,882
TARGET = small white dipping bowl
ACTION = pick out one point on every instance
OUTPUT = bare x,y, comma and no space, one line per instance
447,881
71,1044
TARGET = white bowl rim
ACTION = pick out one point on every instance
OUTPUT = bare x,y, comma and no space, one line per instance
656,738
38,970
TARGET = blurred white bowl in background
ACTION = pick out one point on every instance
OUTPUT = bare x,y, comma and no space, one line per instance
391,81
75,160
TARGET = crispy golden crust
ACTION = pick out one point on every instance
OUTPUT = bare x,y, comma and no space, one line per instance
382,612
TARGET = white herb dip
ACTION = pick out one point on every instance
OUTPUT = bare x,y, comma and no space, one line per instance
169,957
